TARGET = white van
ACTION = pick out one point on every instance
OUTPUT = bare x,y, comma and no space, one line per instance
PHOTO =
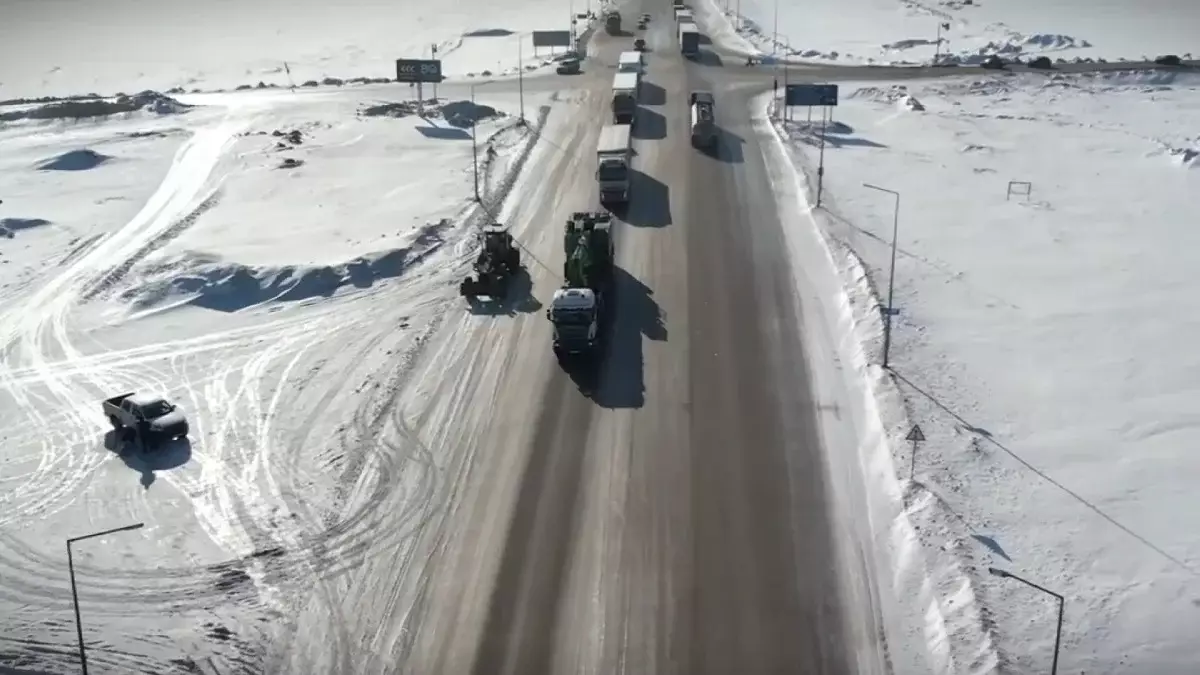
630,62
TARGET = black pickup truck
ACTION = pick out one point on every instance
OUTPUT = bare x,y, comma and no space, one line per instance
149,420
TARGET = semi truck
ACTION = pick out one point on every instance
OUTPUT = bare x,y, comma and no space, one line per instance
689,40
624,97
613,157
704,123
578,309
612,22
629,62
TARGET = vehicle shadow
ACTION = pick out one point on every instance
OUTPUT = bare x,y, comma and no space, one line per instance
652,94
650,125
709,58
730,147
168,455
704,39
649,201
518,300
836,135
443,133
618,379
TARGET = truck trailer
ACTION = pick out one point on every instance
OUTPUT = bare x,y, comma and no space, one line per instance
613,158
624,97
630,62
578,309
689,40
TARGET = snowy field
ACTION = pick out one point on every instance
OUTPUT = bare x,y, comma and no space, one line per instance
65,48
224,250
1042,346
907,31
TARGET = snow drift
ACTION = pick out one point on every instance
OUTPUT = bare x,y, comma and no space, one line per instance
147,101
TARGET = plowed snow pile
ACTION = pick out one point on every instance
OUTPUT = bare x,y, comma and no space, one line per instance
1043,343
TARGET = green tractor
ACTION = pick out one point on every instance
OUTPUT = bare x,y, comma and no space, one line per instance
498,262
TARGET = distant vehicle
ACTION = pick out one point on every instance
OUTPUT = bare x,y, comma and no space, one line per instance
645,18
612,22
624,97
639,44
992,62
1169,60
614,152
569,67
1041,63
689,40
704,124
630,62
642,25
147,419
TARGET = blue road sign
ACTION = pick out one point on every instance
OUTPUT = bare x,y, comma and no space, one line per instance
811,95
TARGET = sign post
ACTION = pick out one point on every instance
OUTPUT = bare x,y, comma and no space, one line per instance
809,96
419,71
915,436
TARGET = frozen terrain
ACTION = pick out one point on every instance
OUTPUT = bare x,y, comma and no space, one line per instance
907,31
183,247
1043,346
63,48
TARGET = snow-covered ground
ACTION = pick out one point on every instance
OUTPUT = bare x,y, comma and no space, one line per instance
1041,345
258,257
907,31
65,48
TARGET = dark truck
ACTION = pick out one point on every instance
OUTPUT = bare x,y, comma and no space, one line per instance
149,420
704,124
612,22
578,309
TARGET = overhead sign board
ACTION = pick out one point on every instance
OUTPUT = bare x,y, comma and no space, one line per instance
811,95
551,38
418,70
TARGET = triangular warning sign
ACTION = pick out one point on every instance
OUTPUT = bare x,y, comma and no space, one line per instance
916,434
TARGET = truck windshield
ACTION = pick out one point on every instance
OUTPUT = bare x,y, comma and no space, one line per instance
612,172
156,409
572,317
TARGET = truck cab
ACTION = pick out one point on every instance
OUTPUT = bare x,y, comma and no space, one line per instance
575,314
613,154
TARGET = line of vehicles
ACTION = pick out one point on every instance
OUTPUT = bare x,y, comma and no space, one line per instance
579,309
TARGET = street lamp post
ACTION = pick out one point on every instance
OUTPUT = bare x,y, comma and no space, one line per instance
474,148
75,592
887,322
1004,574
775,32
521,73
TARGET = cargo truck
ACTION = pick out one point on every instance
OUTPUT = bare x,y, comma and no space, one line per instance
612,22
624,97
689,40
630,62
704,123
613,158
578,309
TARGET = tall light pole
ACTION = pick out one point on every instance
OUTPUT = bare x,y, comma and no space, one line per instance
474,146
887,321
775,34
1062,603
75,592
521,73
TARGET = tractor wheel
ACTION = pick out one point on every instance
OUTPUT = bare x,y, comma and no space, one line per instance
116,423
467,288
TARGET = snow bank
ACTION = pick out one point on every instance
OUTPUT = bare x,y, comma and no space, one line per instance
906,32
147,101
1037,346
